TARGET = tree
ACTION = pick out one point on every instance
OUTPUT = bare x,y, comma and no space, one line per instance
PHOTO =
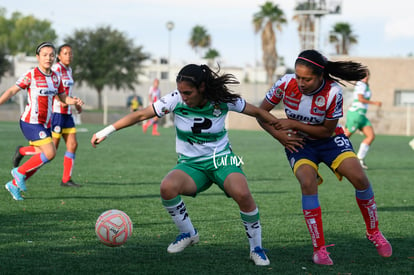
342,37
211,55
265,20
21,34
4,63
105,57
199,38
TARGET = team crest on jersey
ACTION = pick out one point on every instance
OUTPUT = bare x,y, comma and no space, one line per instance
42,134
279,93
26,80
217,111
320,101
165,110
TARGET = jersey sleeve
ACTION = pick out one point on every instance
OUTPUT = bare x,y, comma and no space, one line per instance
335,108
237,106
166,104
276,93
360,88
24,81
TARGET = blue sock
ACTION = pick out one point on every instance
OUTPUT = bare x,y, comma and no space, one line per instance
310,202
364,194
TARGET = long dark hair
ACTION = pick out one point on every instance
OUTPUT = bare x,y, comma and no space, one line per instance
216,89
336,71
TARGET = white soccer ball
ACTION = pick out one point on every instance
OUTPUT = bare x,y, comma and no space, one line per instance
113,227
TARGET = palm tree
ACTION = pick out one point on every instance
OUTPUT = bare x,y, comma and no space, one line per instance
199,39
211,56
269,16
342,37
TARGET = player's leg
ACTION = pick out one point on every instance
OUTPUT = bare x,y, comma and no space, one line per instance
364,194
368,131
69,135
176,183
307,176
235,185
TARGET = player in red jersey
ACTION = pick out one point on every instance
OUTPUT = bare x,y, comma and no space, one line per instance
42,84
313,102
63,124
153,95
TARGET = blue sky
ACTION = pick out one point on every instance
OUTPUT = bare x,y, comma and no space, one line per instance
384,28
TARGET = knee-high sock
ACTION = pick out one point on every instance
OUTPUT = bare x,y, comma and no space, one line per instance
68,162
35,162
178,212
313,217
251,222
27,150
366,202
363,150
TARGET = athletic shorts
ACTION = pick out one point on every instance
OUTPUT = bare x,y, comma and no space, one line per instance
331,151
205,173
62,124
36,134
356,121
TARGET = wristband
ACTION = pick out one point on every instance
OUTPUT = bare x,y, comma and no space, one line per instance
105,132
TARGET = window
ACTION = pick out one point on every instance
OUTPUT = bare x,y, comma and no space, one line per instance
404,97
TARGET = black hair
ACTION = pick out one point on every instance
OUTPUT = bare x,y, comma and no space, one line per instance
45,44
336,71
60,49
216,89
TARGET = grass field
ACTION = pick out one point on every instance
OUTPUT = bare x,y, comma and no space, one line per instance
52,230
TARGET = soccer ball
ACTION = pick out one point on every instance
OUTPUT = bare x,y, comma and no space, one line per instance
113,227
411,143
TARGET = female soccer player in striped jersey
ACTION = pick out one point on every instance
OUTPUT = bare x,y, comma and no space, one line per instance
63,124
313,105
42,84
200,106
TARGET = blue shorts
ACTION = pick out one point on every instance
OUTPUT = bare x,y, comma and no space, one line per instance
62,121
331,151
36,134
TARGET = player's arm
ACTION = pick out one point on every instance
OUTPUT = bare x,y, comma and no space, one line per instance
126,121
362,99
324,130
9,93
70,100
286,137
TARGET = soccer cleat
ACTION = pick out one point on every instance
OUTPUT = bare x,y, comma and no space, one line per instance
381,244
19,178
14,191
182,241
17,157
156,134
69,183
258,256
321,256
363,165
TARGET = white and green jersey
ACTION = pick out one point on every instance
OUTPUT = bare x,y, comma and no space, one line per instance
361,88
201,132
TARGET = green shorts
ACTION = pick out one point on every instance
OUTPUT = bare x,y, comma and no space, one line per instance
356,121
206,172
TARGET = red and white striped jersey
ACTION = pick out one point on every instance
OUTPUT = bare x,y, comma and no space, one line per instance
65,74
41,89
326,103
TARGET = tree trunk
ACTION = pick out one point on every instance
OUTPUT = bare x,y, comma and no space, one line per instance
269,51
99,99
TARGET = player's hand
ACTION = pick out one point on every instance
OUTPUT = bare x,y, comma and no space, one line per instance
95,140
291,140
78,109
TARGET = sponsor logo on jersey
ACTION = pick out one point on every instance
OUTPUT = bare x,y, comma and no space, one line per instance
227,160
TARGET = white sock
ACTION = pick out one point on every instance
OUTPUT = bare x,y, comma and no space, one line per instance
363,150
251,222
180,217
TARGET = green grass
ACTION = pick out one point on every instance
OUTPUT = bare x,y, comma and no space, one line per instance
52,230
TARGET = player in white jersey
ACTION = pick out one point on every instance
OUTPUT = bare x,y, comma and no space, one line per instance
42,84
63,124
154,95
312,100
356,118
200,105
